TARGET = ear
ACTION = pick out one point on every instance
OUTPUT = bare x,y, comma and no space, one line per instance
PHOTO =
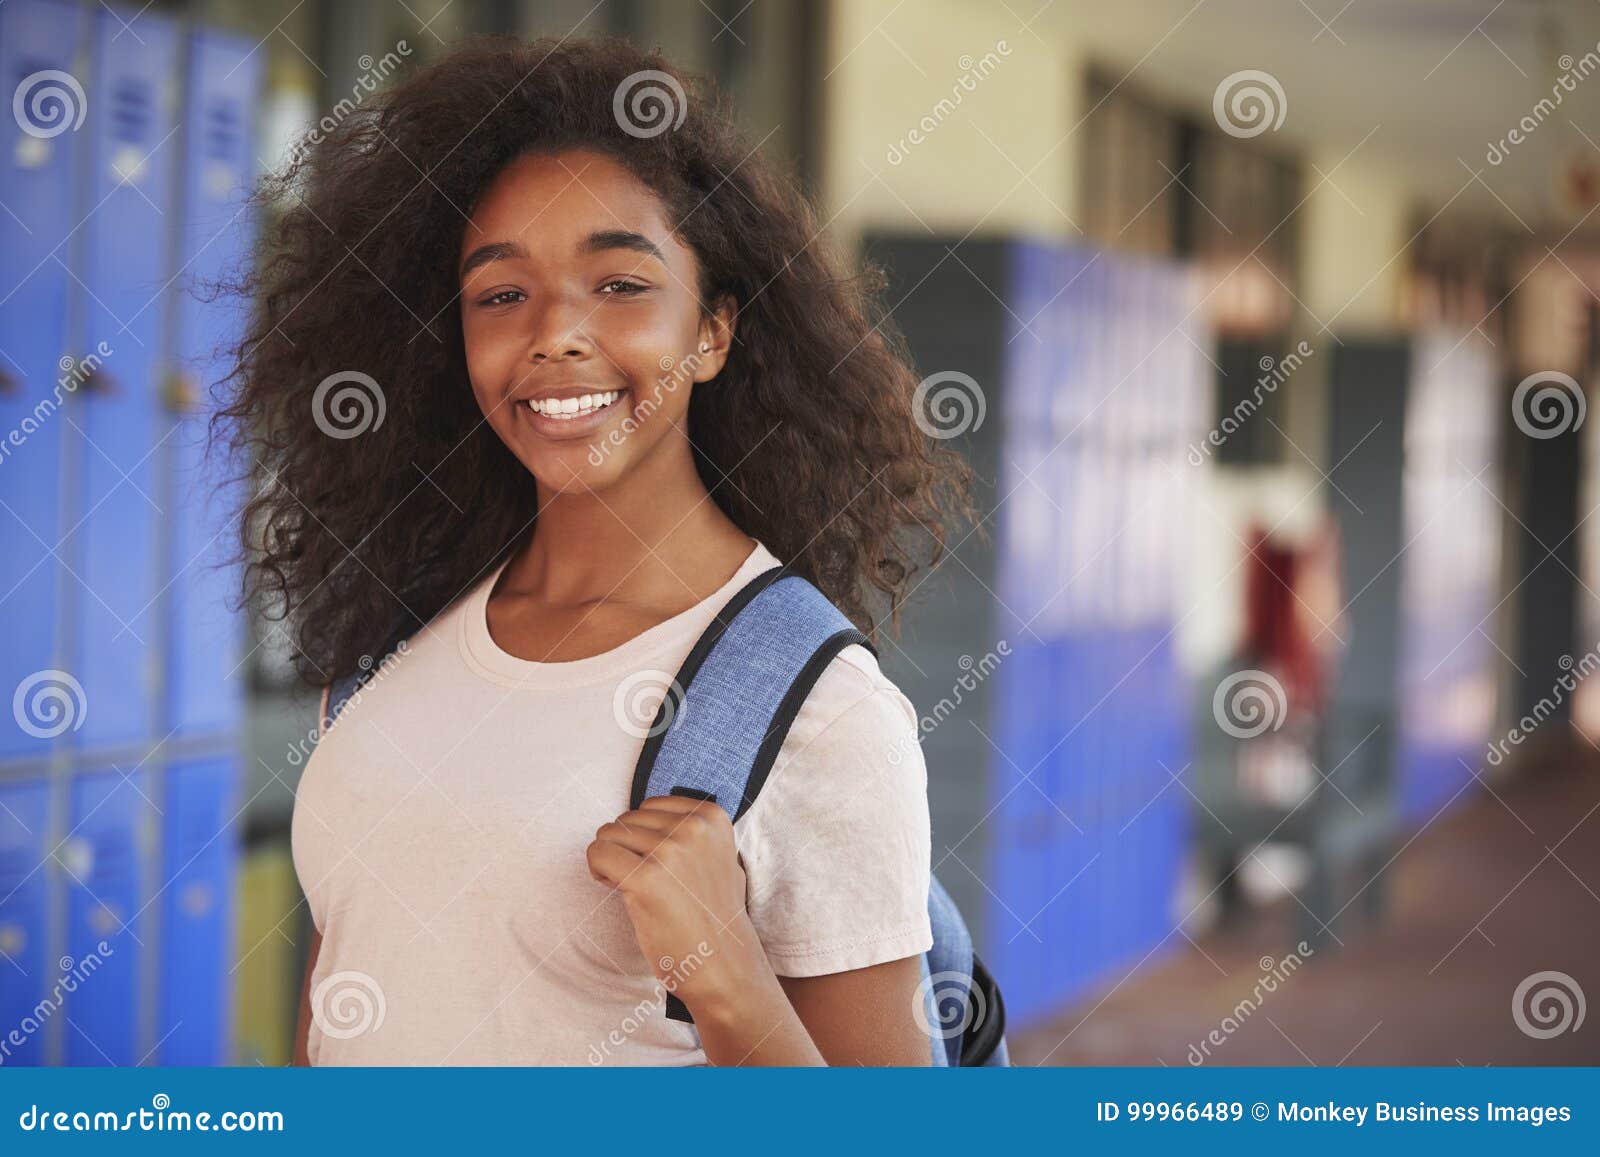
715,339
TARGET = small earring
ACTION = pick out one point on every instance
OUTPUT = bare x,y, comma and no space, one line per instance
705,347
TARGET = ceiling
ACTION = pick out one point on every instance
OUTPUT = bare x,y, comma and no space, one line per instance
1418,88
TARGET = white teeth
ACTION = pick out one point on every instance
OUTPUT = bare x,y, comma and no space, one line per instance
563,408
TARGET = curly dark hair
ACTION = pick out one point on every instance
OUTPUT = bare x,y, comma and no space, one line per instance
807,439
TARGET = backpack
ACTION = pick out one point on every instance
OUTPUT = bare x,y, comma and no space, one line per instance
716,735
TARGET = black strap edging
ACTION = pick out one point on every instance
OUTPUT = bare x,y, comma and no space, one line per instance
789,707
680,685
982,1038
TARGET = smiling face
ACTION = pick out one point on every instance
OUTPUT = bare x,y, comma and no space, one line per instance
583,326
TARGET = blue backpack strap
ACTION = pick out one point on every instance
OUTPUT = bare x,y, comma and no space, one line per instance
345,688
947,978
340,692
723,720
724,717
965,1015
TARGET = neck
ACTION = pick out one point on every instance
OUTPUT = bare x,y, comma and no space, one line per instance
655,534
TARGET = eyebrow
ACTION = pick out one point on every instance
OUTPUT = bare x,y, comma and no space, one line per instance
621,239
597,242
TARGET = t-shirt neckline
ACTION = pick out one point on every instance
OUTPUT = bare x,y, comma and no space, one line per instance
486,657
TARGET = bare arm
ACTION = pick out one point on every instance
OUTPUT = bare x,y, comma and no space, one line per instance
303,1027
302,1032
866,1016
862,1017
754,1023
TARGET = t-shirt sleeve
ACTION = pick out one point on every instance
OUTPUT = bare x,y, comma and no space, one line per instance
836,847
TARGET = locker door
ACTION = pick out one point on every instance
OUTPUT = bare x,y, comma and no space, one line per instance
125,267
199,863
37,41
203,686
110,824
24,906
1018,851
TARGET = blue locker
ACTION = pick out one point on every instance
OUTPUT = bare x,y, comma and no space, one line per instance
1103,703
199,858
1017,857
1056,724
125,268
204,684
111,822
1052,733
26,976
37,173
1089,670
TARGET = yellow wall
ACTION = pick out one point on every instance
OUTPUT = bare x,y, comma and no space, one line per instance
1354,230
997,156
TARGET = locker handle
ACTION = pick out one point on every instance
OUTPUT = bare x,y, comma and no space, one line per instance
97,382
180,393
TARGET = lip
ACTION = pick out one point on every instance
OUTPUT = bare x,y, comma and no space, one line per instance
569,429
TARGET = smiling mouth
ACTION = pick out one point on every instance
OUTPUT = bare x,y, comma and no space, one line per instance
570,409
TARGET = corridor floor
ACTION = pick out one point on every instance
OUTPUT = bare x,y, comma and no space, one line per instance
1504,885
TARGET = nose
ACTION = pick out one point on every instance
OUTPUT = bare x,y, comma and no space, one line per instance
558,332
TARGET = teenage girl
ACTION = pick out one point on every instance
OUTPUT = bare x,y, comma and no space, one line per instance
548,364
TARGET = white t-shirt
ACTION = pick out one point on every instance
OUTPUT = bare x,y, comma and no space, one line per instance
440,828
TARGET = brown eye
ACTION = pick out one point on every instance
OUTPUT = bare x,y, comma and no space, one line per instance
622,287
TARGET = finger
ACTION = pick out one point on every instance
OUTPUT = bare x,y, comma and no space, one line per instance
653,821
611,863
641,840
675,814
679,805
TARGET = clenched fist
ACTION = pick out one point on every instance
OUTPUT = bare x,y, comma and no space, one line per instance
674,861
